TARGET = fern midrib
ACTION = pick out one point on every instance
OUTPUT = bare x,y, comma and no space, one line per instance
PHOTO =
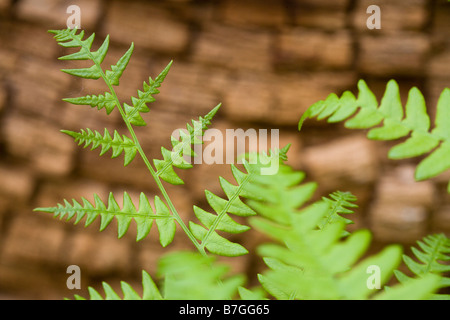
141,151
97,211
225,210
433,256
334,210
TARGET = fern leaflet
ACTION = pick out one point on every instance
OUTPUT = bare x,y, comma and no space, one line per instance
435,252
139,105
186,274
414,124
150,291
117,70
182,148
100,101
118,144
221,221
338,204
143,217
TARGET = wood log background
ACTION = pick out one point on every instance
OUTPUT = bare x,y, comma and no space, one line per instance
266,61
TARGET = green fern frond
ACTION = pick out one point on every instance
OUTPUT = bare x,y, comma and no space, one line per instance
139,105
416,289
118,144
150,291
190,274
413,123
182,148
143,216
100,101
435,251
312,260
317,264
338,204
185,274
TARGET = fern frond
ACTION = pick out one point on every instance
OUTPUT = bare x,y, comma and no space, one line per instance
317,264
118,144
310,259
139,105
186,275
182,148
143,216
413,123
100,101
416,289
338,204
190,274
150,291
435,251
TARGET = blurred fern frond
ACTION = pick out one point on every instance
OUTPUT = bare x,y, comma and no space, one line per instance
411,122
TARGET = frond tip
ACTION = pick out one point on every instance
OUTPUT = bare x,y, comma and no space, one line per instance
70,39
143,216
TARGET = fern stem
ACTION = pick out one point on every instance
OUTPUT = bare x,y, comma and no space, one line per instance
144,156
161,187
152,171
